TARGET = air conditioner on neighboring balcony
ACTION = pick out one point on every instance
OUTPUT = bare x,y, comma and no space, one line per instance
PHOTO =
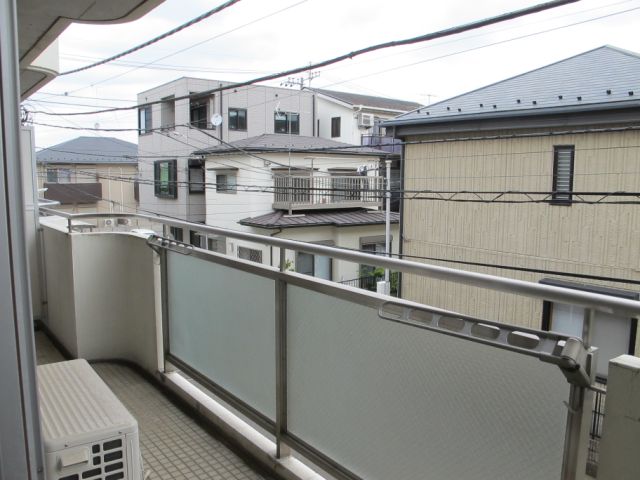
87,433
366,120
124,221
109,222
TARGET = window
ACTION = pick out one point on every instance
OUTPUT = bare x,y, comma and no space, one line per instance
562,174
58,175
144,120
165,178
286,122
196,176
198,112
217,244
613,334
250,254
176,233
226,183
375,245
168,113
237,119
335,127
315,265
197,239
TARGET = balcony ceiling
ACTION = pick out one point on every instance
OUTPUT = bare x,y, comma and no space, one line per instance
41,22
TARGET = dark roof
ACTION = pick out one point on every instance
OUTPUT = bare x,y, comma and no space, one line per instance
370,101
89,150
600,78
271,142
338,218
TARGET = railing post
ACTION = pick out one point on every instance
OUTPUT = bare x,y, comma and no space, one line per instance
575,447
282,449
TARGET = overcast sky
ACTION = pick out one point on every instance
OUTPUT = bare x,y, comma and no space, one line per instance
256,37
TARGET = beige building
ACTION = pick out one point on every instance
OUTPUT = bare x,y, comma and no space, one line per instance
567,136
90,174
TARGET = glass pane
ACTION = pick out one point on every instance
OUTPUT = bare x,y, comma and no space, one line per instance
322,267
567,319
304,263
222,323
392,401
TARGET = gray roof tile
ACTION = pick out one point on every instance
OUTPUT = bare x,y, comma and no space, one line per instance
338,218
88,150
370,101
605,75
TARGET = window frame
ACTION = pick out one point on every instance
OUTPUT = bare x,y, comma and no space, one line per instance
240,121
172,181
196,165
147,128
168,108
336,127
226,187
197,103
290,127
249,251
564,198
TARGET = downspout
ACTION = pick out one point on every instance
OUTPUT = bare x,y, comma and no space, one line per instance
402,184
271,247
222,115
313,115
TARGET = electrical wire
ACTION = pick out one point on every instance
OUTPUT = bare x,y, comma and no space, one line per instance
391,44
173,31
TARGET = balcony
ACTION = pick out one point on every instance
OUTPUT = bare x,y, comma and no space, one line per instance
382,142
73,193
316,379
327,192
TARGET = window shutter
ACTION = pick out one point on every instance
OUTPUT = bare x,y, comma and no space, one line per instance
563,174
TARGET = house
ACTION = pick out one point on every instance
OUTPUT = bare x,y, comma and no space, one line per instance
355,118
175,129
90,174
301,188
568,130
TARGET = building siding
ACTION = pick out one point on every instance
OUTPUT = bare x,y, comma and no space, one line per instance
587,239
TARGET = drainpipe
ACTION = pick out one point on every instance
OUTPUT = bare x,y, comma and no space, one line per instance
271,247
387,228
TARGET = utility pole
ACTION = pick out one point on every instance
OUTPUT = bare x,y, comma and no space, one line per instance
300,81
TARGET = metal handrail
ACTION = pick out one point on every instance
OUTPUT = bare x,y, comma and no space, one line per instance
595,301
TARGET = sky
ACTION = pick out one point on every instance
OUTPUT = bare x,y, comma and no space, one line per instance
257,37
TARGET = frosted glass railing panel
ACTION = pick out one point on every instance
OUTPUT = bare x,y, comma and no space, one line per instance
391,401
222,323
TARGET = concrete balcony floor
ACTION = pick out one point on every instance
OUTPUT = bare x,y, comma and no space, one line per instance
173,444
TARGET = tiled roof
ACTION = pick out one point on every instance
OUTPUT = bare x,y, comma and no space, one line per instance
338,218
591,80
370,101
270,142
89,150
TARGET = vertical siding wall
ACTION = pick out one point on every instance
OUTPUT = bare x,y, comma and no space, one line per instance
589,239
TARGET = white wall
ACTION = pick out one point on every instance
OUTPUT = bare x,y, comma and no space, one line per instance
326,110
182,141
101,295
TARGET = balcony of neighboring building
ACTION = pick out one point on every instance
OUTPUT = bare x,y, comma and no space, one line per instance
316,192
310,378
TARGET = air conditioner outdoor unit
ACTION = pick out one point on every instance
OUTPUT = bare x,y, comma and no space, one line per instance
109,222
366,120
87,433
124,221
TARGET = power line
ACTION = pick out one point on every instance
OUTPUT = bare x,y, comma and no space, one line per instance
173,31
196,44
436,259
395,43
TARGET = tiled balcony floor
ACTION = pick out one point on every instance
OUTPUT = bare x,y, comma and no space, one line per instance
173,445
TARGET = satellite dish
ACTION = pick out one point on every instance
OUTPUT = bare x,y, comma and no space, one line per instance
216,119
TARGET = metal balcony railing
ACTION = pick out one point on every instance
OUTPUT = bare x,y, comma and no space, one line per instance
322,192
366,385
382,142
